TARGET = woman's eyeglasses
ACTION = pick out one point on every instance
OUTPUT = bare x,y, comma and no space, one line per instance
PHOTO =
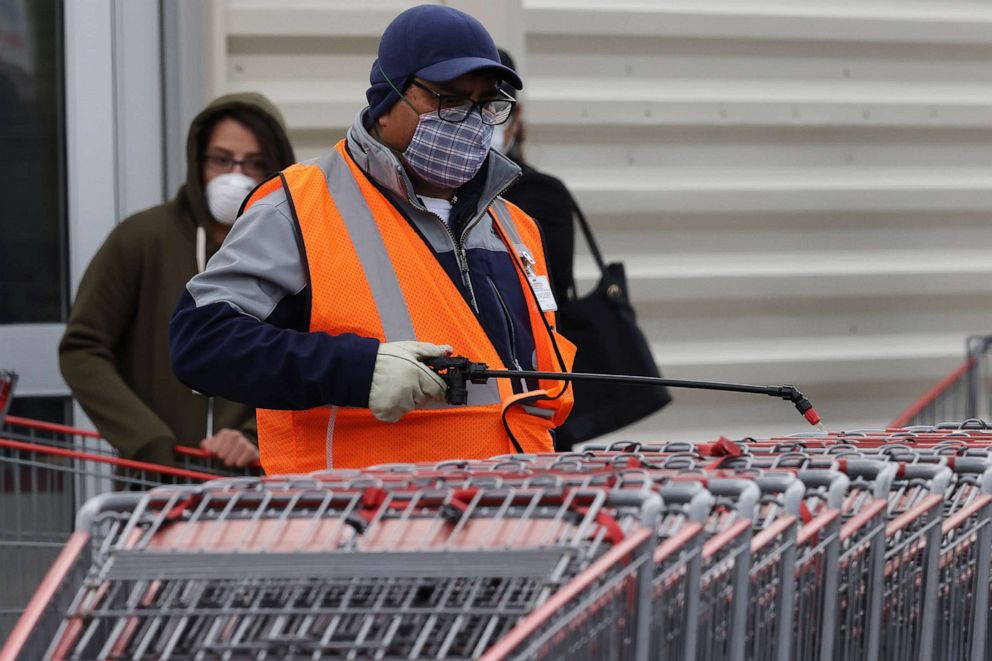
255,167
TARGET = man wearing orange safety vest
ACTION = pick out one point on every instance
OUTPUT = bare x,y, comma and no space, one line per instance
343,274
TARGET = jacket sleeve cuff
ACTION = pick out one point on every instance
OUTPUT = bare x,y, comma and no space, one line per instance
250,430
351,380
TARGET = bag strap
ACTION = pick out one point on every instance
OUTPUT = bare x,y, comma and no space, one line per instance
590,239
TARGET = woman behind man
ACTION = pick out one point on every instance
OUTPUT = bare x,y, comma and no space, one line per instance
115,352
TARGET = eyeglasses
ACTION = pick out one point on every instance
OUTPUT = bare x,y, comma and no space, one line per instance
256,167
452,108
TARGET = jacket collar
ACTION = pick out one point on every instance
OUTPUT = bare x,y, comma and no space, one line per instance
380,163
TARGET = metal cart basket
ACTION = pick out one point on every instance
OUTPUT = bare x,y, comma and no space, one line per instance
47,471
293,573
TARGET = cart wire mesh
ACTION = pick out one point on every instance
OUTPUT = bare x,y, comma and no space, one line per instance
857,545
352,574
47,471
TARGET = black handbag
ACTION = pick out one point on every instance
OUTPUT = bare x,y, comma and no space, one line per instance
603,326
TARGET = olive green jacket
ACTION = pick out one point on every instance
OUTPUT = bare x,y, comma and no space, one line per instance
115,352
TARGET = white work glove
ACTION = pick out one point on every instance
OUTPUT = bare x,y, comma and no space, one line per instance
400,382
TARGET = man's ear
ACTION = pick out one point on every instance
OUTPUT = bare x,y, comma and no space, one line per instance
384,120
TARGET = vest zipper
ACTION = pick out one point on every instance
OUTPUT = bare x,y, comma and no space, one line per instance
511,335
460,256
462,260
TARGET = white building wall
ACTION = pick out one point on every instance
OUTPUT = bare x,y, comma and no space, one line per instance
800,189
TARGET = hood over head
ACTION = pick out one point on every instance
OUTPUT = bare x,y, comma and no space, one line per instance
263,119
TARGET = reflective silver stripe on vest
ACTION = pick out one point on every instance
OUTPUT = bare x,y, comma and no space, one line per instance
379,271
329,446
506,222
371,248
539,412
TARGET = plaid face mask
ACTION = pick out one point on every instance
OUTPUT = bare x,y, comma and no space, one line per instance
448,154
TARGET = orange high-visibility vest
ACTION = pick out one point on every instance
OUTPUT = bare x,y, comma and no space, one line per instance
371,274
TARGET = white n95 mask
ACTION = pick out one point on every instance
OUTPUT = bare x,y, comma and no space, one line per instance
225,194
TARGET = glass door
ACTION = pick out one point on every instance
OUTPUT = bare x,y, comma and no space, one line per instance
34,263
81,146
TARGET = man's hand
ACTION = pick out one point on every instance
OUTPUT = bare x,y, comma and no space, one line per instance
231,447
401,382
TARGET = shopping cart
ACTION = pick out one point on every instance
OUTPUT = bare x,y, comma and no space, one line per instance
46,472
678,566
958,632
859,571
754,573
867,544
291,572
774,510
964,393
747,579
899,564
744,581
952,624
961,575
581,620
909,581
796,521
675,591
963,582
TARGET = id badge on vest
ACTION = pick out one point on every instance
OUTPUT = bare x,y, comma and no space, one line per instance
539,283
542,289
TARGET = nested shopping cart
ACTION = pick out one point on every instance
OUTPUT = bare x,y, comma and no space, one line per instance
964,393
46,472
675,591
947,619
290,572
871,544
891,587
796,526
686,573
746,577
957,626
764,585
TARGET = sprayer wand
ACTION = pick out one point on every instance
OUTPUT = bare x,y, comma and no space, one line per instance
458,371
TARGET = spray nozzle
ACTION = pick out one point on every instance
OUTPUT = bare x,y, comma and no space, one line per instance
803,405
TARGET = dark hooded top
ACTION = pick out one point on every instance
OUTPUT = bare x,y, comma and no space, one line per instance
115,352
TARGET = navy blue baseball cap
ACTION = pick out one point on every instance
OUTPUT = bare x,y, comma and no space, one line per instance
432,42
